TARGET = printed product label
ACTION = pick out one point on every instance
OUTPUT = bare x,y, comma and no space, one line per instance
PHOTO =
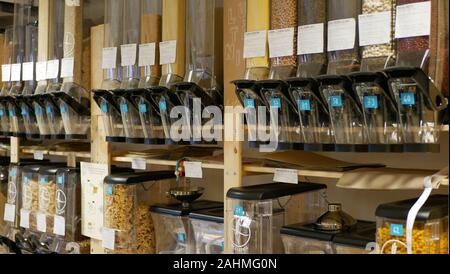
249,103
397,230
239,211
304,105
163,105
275,103
143,108
336,101
124,108
371,102
407,99
104,107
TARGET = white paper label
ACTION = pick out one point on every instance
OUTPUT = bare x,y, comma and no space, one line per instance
59,225
288,176
28,71
341,34
41,222
108,238
16,70
39,155
10,213
311,39
246,222
193,170
281,42
139,164
147,54
24,218
92,176
67,65
128,54
375,28
255,44
73,3
52,69
6,73
168,52
413,20
109,58
41,71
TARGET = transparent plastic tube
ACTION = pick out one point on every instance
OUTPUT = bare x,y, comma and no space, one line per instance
56,41
131,35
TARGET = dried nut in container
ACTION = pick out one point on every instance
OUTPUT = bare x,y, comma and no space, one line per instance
284,15
145,231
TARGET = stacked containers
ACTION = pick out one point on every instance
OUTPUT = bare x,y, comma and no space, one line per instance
12,195
344,58
430,231
379,57
259,212
127,199
46,199
311,13
208,229
7,56
283,14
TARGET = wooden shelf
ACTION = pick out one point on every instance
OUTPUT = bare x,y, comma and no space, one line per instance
46,152
304,173
165,162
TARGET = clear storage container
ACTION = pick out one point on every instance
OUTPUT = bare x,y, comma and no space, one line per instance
310,14
430,231
346,117
29,118
172,231
151,32
307,239
127,200
378,57
15,116
380,111
31,52
11,192
111,116
313,112
41,117
421,105
208,230
283,14
131,119
7,57
53,114
284,125
47,199
345,58
257,214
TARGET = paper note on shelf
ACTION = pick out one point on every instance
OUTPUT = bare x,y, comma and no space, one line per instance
139,164
193,170
16,72
109,58
341,34
281,42
288,176
147,54
168,52
59,225
413,20
375,28
67,65
41,71
128,54
311,39
28,71
10,213
255,44
41,222
24,218
6,73
108,238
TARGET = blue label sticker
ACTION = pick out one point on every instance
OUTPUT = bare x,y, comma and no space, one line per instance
371,102
49,110
336,101
304,105
2,113
25,180
110,190
142,108
275,103
239,211
43,181
181,237
104,107
163,105
397,230
63,109
11,173
222,245
60,180
407,99
124,108
249,103
37,110
24,111
12,113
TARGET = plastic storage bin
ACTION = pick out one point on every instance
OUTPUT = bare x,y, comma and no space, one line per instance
111,115
127,200
29,118
430,231
131,119
306,239
380,111
172,231
257,214
15,117
346,117
313,112
208,229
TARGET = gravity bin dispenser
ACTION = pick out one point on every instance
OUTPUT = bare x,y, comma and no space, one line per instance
6,129
204,74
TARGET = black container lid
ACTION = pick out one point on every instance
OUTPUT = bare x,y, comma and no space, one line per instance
73,103
50,170
177,210
198,91
436,207
362,234
35,168
214,215
271,191
247,84
68,170
308,231
138,178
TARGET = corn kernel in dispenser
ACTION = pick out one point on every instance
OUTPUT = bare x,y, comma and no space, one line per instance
430,232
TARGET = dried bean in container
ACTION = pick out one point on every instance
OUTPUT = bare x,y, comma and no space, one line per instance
284,15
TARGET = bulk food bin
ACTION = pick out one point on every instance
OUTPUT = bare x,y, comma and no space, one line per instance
127,200
4,118
313,113
259,212
307,239
421,105
131,119
151,32
208,230
430,231
7,58
111,115
380,56
284,124
312,14
380,111
343,57
346,117
15,116
172,228
29,118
